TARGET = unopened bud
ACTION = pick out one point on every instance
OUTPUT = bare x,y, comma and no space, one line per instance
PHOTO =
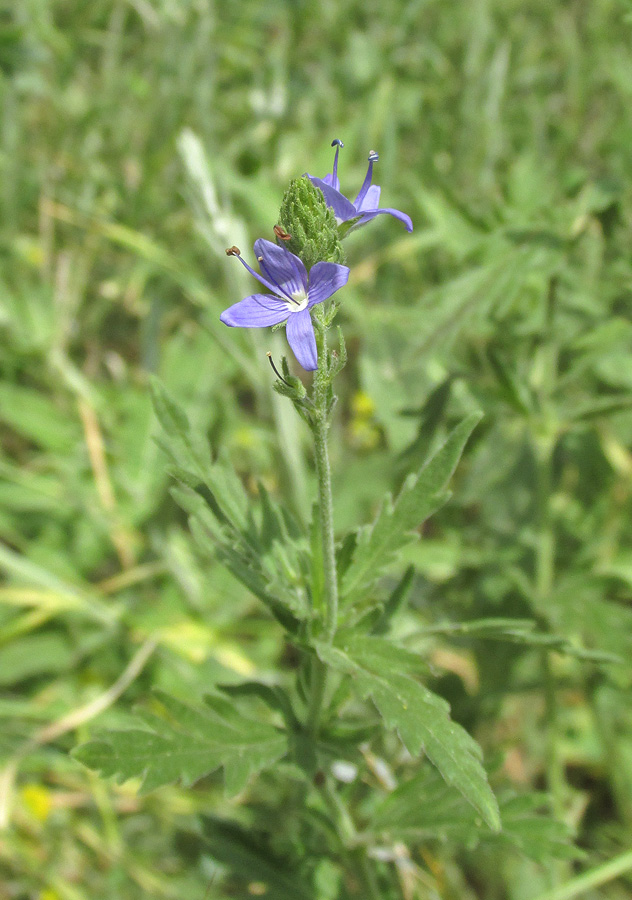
310,224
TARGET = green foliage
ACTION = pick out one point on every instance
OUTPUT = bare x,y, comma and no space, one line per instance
311,224
138,140
428,809
264,552
420,496
380,670
252,859
191,743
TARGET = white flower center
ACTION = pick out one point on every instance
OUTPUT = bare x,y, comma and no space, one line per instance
300,302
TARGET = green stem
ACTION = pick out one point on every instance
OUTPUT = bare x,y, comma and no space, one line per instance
320,428
357,860
602,874
325,502
544,584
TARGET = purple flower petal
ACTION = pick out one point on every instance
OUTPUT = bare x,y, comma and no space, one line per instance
371,214
264,281
335,184
325,278
371,199
343,208
301,338
255,311
282,267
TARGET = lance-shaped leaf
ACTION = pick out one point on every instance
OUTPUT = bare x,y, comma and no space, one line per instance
382,671
420,496
191,743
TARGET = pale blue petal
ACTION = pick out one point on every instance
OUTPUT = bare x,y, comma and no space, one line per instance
301,338
256,311
325,278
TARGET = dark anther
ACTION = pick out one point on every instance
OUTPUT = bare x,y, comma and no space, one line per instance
281,234
373,156
337,143
233,251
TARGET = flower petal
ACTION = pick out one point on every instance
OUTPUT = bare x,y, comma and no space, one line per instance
396,213
301,338
334,183
343,208
255,311
325,278
371,199
281,266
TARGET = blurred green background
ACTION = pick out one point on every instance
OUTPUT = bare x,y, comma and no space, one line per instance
138,140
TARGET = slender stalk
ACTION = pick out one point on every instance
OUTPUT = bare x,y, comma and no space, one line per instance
325,500
320,429
602,874
544,583
358,862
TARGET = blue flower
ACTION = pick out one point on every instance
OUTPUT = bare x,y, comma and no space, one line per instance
294,292
365,206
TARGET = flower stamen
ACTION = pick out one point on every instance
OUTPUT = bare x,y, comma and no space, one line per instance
281,233
366,184
337,143
266,271
275,370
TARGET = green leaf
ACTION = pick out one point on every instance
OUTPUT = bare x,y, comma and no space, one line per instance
259,543
33,655
192,463
191,743
425,808
250,857
420,496
380,670
398,597
518,631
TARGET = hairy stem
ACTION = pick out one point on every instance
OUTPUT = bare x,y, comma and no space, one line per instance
320,428
325,500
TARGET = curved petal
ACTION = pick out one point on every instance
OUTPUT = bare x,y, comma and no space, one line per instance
281,267
301,338
396,213
325,278
255,311
343,208
371,199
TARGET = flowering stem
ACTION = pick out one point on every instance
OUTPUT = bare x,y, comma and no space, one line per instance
320,428
325,500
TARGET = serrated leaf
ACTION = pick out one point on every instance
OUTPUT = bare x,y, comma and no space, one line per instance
421,718
420,496
191,743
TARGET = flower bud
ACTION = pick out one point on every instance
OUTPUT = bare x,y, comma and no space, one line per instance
310,224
